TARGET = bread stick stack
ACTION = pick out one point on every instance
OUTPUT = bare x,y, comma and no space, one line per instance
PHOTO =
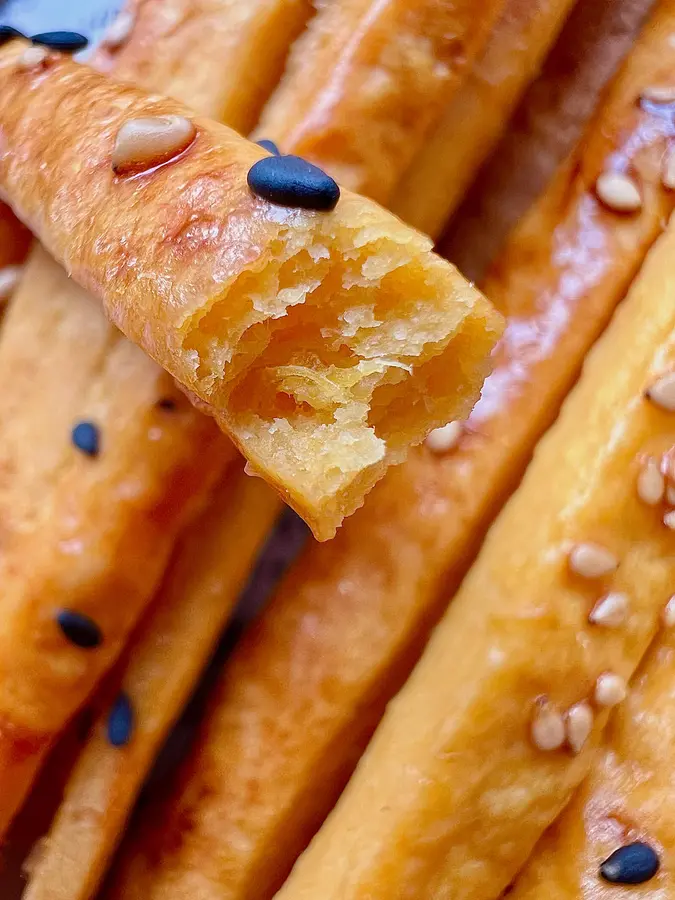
166,403
123,490
103,529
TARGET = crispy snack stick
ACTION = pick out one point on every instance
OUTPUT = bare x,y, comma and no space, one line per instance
66,363
544,130
164,660
308,683
399,63
484,745
170,36
627,797
629,794
324,343
46,671
441,172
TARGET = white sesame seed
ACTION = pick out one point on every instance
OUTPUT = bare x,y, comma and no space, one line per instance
33,56
659,93
618,192
651,484
610,689
9,279
578,725
669,520
668,170
146,142
668,614
120,30
592,561
611,610
662,392
443,439
548,727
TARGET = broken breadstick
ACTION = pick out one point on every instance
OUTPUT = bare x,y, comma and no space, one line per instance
324,342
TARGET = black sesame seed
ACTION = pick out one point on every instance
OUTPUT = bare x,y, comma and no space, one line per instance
79,629
7,34
270,146
632,864
86,438
64,41
291,181
121,721
167,403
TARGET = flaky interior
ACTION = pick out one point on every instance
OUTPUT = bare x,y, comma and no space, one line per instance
338,355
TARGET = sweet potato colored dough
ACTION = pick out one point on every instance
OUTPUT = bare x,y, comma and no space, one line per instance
168,35
309,682
545,129
628,796
460,779
163,661
399,62
179,44
73,527
440,173
323,343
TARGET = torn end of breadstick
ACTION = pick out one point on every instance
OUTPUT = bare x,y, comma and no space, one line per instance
324,340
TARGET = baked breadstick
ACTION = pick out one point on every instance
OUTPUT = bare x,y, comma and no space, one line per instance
364,117
164,660
346,625
627,799
441,172
495,728
170,36
324,343
308,683
544,130
166,455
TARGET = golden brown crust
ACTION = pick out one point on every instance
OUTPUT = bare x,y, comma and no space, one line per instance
359,341
471,125
628,796
454,791
364,117
545,129
347,623
163,661
65,361
168,36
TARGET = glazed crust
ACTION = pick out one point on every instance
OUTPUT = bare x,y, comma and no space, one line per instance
168,36
361,340
628,796
452,793
210,566
439,175
123,511
399,63
308,684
